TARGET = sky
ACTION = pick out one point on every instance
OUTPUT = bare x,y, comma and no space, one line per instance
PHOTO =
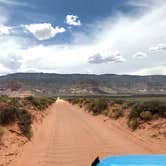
83,36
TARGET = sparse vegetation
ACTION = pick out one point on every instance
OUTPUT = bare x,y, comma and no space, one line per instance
150,107
15,101
133,123
146,115
146,111
8,115
4,98
24,122
116,113
95,105
39,103
12,114
14,110
138,111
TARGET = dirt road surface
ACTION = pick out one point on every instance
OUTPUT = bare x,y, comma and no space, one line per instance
71,137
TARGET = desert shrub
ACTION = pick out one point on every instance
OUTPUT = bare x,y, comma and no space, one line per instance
156,116
133,123
97,106
116,113
128,104
11,114
152,107
145,111
4,98
76,101
119,101
40,103
125,105
72,101
24,122
146,115
15,102
105,112
33,100
8,115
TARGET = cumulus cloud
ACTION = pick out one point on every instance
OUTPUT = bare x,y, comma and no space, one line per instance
44,31
128,34
11,48
4,30
113,58
161,46
73,20
11,61
140,55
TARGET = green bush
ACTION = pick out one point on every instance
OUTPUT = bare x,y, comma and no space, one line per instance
97,106
128,104
146,115
116,113
133,123
156,116
4,98
152,107
146,111
74,101
34,101
15,102
24,122
119,101
105,112
10,114
40,103
13,112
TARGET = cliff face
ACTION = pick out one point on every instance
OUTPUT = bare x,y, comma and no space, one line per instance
83,84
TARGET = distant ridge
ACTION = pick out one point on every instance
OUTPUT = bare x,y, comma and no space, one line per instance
81,84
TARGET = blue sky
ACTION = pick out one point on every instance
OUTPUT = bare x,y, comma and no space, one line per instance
55,11
83,36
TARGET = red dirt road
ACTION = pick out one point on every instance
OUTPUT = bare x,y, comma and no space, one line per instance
71,137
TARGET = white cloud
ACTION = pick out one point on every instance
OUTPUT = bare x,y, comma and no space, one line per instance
4,30
140,55
128,34
144,4
161,46
44,31
154,48
157,70
73,20
112,58
11,61
4,70
13,2
55,57
11,52
140,3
